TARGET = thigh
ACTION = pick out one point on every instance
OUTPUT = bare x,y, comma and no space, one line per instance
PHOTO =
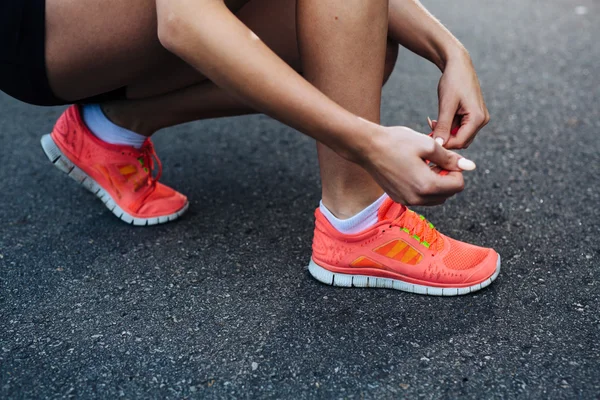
273,21
97,46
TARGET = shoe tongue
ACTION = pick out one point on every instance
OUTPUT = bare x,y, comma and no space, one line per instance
390,210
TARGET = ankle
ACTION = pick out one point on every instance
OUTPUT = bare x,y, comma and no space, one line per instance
346,205
358,222
121,114
106,130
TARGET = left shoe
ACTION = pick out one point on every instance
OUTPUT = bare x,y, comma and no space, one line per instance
121,176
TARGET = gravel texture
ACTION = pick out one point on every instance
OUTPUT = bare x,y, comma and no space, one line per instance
220,305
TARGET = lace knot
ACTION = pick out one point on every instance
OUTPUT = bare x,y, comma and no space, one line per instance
418,228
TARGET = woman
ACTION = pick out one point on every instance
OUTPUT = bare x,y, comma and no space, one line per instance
135,67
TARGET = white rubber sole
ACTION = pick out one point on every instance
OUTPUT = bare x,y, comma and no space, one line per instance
345,280
61,162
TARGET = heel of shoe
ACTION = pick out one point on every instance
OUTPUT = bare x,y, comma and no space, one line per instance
60,161
330,278
54,154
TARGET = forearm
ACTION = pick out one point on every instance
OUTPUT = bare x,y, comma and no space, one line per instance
210,38
412,26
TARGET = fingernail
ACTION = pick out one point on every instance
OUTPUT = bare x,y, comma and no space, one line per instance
430,122
439,141
466,165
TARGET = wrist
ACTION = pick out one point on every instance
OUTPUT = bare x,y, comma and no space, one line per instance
366,145
450,52
359,140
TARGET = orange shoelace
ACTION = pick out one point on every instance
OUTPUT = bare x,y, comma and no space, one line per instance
420,229
147,160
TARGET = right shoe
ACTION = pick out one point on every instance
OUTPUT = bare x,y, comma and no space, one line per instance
120,176
402,251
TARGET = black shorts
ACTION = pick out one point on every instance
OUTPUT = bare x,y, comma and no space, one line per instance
22,55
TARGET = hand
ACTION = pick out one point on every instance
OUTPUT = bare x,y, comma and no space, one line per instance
396,160
461,104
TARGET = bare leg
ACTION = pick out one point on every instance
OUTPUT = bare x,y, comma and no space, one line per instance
96,46
202,101
153,107
274,21
349,68
170,92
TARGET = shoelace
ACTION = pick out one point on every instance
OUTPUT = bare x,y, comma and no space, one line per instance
418,227
147,160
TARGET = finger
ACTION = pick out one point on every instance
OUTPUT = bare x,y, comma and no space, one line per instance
466,165
455,127
445,121
434,153
451,161
464,136
438,170
432,125
467,132
429,201
470,142
435,188
440,141
449,184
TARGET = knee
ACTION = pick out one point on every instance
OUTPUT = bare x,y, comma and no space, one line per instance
391,56
171,24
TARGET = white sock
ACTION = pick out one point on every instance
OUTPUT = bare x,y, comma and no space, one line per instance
107,131
358,223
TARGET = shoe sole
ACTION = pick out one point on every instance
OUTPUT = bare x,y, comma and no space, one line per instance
346,280
62,162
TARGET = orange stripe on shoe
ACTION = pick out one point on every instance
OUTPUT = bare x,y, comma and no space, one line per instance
383,250
409,255
365,262
401,255
415,260
400,247
127,170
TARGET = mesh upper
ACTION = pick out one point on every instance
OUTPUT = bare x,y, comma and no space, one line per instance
463,256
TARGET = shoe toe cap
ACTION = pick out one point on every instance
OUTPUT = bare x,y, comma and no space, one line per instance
162,202
485,269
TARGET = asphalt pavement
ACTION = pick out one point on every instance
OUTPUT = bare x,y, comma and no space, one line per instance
220,304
